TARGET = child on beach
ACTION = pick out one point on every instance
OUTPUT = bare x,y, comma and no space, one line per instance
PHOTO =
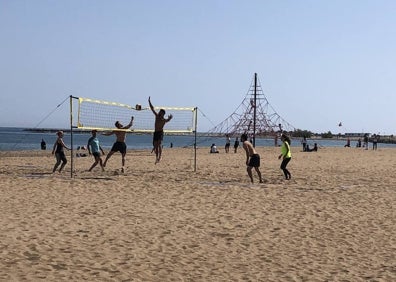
286,154
59,152
94,148
252,158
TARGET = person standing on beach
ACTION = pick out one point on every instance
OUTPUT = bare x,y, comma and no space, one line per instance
365,141
43,145
227,144
159,124
348,144
252,158
59,152
119,145
304,143
94,148
286,155
375,141
236,145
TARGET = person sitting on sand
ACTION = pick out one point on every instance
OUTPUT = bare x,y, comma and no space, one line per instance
213,149
314,149
43,145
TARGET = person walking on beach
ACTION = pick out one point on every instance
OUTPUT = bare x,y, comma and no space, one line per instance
236,145
119,145
59,152
252,158
94,149
159,124
286,155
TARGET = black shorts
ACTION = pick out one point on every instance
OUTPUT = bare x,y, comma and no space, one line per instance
96,154
60,156
119,147
158,136
254,160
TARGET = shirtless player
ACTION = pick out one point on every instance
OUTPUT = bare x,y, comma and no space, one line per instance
252,158
160,121
119,145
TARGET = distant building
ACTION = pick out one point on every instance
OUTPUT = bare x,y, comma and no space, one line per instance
356,134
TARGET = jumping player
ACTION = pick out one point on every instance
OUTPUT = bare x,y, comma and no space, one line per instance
160,121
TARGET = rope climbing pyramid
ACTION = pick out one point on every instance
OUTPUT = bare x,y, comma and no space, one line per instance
254,116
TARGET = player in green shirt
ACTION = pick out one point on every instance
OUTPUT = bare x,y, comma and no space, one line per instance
286,155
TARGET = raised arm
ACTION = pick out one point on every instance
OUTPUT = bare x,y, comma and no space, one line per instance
151,106
108,133
129,124
169,118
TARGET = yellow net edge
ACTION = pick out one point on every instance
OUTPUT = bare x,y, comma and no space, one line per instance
168,131
102,102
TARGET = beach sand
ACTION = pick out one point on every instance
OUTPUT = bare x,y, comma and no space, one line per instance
335,220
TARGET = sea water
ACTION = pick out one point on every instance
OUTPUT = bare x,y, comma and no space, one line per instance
17,139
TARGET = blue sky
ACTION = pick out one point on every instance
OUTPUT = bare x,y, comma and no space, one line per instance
319,62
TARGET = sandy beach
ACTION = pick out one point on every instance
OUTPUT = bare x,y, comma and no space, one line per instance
335,220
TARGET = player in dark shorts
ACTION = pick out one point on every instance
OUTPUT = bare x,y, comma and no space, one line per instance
119,145
252,158
159,124
158,136
59,152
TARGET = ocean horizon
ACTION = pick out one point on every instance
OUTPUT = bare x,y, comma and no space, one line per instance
19,139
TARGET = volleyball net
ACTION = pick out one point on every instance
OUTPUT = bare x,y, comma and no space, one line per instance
102,115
